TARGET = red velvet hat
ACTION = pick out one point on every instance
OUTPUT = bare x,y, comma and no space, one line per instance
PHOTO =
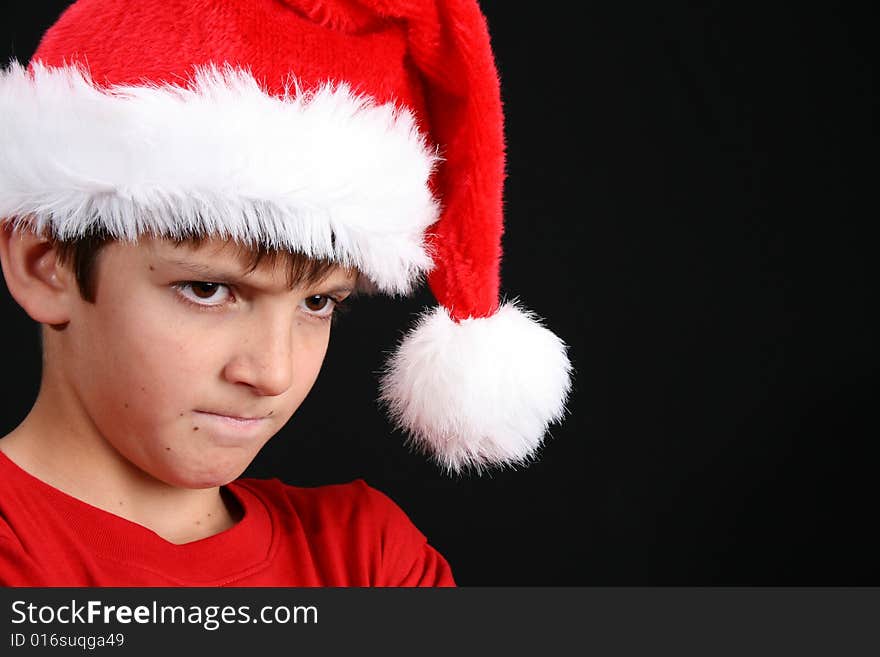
368,132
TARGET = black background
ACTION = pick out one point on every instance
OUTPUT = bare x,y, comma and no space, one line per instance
687,205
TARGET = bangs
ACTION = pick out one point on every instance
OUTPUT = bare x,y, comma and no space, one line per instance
81,254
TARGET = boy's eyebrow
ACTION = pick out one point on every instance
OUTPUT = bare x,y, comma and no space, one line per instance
210,270
218,275
340,289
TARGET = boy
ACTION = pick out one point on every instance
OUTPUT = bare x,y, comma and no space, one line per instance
189,189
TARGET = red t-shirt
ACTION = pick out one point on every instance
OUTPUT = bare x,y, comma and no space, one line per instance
339,535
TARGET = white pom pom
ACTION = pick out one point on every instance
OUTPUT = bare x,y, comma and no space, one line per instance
480,392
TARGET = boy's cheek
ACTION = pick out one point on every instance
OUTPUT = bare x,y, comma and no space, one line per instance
168,442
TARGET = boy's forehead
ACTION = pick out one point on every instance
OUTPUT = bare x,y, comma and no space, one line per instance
215,249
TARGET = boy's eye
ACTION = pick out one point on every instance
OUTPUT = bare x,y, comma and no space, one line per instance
204,293
317,303
204,290
320,306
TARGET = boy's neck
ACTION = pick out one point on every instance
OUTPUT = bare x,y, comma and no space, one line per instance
89,469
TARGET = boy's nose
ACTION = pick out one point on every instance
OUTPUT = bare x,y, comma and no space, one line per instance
263,359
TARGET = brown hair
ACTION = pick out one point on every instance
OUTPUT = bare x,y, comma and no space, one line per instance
81,254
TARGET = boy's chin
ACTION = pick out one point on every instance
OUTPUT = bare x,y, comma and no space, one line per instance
182,478
212,483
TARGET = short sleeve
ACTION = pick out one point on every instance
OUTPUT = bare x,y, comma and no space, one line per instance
406,557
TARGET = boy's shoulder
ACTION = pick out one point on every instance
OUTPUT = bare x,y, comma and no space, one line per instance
330,505
354,522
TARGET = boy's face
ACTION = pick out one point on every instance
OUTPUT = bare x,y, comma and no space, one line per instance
161,365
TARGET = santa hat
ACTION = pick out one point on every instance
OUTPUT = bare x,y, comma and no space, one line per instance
367,132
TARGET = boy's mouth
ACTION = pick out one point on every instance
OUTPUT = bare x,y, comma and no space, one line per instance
241,419
230,430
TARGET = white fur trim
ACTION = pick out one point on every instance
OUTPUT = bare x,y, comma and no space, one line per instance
481,392
327,173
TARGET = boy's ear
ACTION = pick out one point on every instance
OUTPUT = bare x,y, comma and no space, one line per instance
35,278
